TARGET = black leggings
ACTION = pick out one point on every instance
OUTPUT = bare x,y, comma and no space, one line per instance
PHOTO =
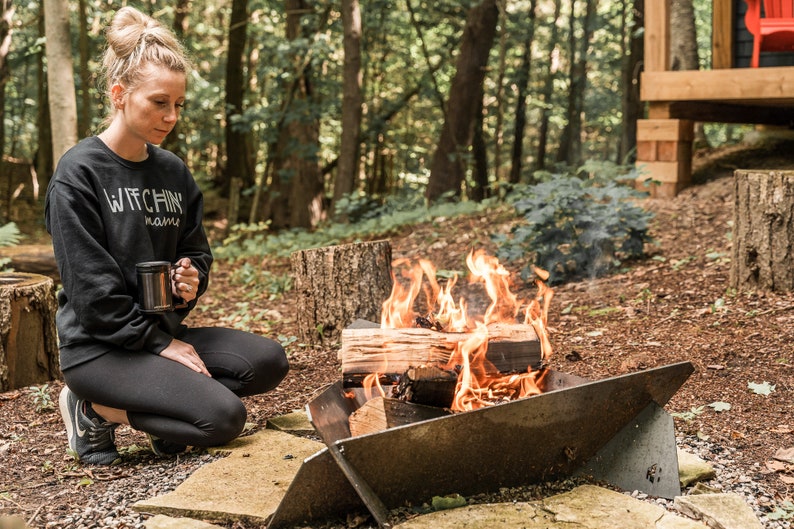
170,401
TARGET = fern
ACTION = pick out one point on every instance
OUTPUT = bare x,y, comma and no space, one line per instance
9,234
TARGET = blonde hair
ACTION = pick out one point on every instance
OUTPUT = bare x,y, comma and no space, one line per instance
136,40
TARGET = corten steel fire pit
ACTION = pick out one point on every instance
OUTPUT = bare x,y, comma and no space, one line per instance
613,429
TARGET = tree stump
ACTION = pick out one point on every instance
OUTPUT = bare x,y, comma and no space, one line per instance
763,231
337,285
28,339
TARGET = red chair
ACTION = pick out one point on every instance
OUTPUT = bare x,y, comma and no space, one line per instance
772,32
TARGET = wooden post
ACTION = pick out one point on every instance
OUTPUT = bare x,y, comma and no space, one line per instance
664,155
763,231
337,285
28,339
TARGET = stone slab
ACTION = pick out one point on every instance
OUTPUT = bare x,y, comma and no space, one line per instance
719,511
166,522
585,507
296,423
247,485
692,469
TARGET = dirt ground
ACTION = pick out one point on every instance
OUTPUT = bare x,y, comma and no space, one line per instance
672,306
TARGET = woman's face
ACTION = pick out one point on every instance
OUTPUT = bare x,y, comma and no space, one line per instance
151,109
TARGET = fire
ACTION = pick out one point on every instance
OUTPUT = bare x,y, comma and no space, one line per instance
475,388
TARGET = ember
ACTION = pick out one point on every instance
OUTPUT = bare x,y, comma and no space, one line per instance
480,383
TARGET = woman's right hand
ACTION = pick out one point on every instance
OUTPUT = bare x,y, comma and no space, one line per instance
185,354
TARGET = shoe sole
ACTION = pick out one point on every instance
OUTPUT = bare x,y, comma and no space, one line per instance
63,404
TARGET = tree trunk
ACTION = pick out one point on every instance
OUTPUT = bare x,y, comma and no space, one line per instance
6,18
548,90
238,164
522,80
631,105
683,36
480,189
570,150
348,168
337,285
173,142
28,341
44,153
763,231
86,77
447,169
60,77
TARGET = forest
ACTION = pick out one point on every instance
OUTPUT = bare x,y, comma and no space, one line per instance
303,114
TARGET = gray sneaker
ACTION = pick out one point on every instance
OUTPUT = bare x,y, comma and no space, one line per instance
92,440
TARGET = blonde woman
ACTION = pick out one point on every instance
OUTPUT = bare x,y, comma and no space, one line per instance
116,199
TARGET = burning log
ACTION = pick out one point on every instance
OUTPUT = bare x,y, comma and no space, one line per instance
511,348
381,413
428,385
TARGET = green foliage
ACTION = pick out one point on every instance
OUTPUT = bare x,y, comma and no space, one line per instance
41,398
577,226
9,236
375,221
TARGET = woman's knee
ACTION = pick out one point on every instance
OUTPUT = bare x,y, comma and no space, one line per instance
225,422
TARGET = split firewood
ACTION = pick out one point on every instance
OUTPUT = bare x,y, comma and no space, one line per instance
379,414
511,348
428,385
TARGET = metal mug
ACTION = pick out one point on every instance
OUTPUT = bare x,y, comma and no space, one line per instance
154,287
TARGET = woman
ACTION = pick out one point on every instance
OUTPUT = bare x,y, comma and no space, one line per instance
116,200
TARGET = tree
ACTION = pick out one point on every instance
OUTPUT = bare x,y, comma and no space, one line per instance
6,17
548,89
447,168
683,36
631,105
60,77
347,171
522,80
570,149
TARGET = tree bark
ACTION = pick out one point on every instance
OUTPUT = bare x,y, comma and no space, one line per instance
60,77
548,90
522,80
447,168
6,18
28,341
337,285
763,231
683,36
347,171
630,102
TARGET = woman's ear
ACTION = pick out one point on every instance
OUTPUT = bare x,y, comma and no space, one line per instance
117,96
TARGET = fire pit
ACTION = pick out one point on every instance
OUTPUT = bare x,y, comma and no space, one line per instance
499,417
613,429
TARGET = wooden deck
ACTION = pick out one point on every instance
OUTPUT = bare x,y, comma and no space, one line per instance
677,99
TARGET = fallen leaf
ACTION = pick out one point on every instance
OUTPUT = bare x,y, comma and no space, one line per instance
784,454
765,388
781,429
720,406
776,466
789,480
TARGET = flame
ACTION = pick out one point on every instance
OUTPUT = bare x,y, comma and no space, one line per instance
475,388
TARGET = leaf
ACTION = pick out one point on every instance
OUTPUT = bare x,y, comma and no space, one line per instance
720,406
765,388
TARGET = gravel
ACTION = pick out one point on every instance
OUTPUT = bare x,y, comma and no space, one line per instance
113,509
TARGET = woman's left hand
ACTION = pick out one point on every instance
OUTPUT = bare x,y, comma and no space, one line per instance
185,281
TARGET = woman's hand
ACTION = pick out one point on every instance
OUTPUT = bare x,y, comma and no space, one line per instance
185,281
182,352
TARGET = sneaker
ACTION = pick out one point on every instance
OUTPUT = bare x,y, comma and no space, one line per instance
163,448
92,439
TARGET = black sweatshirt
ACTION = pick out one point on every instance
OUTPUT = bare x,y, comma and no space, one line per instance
106,214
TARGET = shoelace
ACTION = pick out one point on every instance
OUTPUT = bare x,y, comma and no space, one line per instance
101,435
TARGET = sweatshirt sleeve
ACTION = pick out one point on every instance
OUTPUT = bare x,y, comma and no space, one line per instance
95,302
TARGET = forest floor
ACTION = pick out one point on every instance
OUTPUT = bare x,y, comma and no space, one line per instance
674,305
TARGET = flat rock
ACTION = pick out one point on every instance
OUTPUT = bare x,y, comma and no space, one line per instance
692,469
296,423
719,511
246,486
585,507
166,522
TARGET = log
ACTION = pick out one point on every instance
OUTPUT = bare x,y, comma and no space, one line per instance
763,231
336,285
381,413
428,385
28,339
511,348
32,259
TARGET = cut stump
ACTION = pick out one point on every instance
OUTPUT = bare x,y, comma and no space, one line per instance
28,339
336,285
763,231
